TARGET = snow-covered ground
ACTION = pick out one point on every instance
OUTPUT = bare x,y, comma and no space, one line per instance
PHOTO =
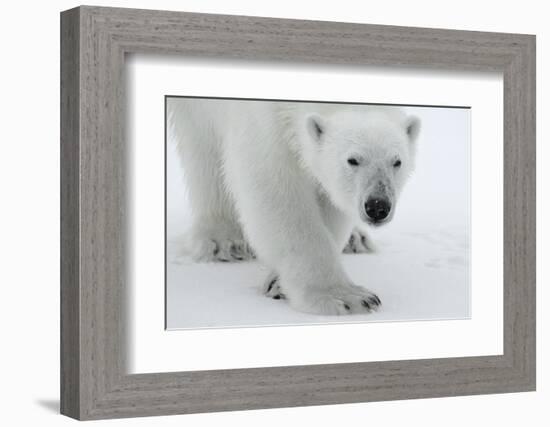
420,271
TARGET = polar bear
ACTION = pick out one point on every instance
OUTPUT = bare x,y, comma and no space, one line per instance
291,183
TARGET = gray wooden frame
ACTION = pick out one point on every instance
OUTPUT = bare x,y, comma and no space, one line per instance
94,382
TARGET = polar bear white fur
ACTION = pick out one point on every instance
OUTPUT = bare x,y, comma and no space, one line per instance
288,183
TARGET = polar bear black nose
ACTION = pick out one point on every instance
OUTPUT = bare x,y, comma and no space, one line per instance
377,209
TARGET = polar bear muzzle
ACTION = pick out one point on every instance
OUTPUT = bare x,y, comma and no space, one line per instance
377,209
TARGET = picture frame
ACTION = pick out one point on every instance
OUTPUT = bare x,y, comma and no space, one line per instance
94,269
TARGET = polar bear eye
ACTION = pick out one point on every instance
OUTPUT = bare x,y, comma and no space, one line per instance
352,161
397,163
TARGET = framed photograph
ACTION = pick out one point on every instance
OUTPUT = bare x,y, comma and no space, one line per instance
372,152
261,213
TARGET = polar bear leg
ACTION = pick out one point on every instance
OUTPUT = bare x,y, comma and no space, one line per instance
353,239
215,234
284,223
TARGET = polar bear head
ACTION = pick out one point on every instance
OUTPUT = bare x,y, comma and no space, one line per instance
361,158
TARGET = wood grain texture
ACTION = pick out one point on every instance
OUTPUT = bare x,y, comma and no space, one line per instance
70,264
95,274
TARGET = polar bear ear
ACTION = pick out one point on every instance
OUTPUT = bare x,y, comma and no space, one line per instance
412,127
316,126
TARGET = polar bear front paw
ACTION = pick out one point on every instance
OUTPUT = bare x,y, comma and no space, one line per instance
359,243
272,288
338,300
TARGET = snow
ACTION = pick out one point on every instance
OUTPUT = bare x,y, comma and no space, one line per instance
420,270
